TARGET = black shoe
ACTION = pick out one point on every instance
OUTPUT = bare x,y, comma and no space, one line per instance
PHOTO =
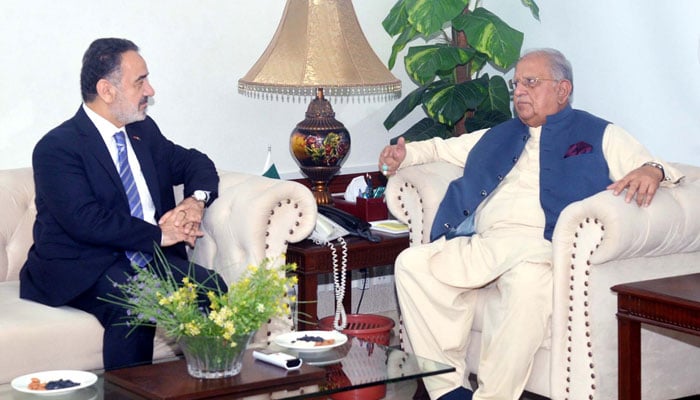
461,393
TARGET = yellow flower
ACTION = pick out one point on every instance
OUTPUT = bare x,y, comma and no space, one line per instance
213,303
191,329
229,330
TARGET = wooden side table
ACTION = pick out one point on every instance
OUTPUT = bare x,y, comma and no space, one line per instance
672,303
313,259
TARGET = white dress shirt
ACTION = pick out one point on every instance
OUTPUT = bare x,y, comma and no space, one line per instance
107,131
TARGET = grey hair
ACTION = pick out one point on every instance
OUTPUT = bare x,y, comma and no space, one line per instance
559,66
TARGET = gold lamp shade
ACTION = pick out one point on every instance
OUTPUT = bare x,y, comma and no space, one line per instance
319,48
319,44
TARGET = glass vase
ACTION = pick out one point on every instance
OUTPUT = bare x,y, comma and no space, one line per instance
211,357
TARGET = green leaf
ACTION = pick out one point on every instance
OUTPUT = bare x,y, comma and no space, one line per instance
485,119
404,38
397,20
488,34
411,101
534,9
478,61
498,98
396,23
424,62
429,16
449,103
423,130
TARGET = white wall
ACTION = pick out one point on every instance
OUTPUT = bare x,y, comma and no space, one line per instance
635,62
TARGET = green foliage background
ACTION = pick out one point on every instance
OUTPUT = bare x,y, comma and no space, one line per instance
455,95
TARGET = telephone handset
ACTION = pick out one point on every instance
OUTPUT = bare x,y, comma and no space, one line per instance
333,223
327,230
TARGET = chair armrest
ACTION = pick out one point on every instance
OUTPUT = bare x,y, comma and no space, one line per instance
669,225
599,242
414,194
253,218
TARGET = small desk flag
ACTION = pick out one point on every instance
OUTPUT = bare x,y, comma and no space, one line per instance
269,170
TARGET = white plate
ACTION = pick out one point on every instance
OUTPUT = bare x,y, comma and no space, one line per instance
322,358
85,379
291,340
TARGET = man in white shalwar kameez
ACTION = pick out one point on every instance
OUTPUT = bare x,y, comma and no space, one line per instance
506,239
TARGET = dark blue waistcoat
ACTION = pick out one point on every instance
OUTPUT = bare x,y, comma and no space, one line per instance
572,167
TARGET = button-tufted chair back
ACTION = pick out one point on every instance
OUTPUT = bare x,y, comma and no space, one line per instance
17,213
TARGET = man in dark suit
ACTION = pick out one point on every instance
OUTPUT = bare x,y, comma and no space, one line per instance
104,197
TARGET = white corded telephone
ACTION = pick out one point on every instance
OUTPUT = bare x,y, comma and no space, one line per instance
325,231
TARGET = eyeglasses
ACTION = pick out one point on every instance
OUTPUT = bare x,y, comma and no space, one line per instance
529,83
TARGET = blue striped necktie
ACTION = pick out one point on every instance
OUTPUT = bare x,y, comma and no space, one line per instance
132,194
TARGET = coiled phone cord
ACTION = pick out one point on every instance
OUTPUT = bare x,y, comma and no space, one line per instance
340,321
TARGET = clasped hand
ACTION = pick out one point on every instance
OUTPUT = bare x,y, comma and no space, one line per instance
182,223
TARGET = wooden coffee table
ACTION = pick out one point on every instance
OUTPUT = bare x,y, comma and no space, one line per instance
672,303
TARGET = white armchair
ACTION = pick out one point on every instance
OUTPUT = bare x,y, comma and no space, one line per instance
597,243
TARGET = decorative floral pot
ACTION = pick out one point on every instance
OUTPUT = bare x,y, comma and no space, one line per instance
211,357
319,145
320,140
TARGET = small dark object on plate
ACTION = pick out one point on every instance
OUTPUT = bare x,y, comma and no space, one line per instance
60,384
307,338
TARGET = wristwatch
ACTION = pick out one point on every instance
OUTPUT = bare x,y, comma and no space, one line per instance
201,195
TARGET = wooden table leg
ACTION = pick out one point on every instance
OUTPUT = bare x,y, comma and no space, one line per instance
307,300
629,358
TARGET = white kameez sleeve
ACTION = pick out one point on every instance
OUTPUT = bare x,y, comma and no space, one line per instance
453,150
624,153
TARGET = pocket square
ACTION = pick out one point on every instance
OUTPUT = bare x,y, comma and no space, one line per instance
578,148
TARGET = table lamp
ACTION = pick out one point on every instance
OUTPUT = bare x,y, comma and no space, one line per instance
319,49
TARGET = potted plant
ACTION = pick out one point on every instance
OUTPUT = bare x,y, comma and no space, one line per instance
452,90
213,339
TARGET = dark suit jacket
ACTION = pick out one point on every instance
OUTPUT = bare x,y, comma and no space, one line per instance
83,223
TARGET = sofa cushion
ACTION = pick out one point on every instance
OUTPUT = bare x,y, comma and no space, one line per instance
37,337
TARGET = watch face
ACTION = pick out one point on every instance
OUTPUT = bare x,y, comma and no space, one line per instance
199,195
